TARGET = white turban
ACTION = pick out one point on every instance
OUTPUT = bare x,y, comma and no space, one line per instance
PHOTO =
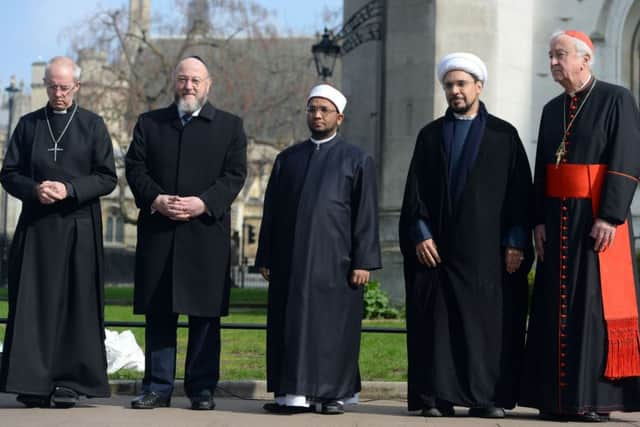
331,93
465,62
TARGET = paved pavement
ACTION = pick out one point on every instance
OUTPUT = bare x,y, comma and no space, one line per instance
241,412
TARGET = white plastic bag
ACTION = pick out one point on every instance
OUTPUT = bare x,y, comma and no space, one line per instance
123,352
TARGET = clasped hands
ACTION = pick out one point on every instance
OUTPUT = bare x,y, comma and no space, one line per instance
49,192
427,253
179,208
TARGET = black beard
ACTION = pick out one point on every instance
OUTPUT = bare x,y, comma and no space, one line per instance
461,110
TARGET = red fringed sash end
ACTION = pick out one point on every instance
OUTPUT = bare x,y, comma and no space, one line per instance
623,357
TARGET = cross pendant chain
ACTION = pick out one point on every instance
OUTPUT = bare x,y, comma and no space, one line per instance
55,147
560,152
55,150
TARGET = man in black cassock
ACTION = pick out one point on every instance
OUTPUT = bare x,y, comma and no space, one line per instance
318,242
582,358
465,237
185,166
58,163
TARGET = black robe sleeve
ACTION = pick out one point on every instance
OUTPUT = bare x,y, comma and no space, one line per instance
14,175
623,160
219,197
364,201
263,256
144,188
519,192
103,178
413,208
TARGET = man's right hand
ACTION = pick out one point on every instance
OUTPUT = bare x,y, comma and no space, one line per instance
427,253
166,205
539,237
265,273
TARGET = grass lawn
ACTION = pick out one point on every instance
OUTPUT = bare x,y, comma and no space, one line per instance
382,356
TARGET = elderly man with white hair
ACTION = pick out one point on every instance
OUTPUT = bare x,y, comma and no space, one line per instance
318,242
466,241
583,354
58,163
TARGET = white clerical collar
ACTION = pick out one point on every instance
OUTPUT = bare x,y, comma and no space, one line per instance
196,113
585,84
322,141
463,117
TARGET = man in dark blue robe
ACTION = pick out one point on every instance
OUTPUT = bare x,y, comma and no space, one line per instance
318,242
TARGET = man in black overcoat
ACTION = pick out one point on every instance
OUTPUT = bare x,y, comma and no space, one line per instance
465,236
185,166
58,163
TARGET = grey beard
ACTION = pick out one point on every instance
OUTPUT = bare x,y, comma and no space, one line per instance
189,106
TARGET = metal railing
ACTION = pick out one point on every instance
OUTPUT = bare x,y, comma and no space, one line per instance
241,326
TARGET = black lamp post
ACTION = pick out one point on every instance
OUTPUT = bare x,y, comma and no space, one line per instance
11,90
325,53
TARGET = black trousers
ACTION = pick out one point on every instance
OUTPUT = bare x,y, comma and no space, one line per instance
202,367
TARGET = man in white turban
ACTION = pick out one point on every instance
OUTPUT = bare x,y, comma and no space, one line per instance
466,241
318,242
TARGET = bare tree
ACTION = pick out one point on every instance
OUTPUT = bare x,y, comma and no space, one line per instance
256,73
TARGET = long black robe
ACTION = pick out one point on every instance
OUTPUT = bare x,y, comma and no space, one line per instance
465,317
319,223
606,131
55,334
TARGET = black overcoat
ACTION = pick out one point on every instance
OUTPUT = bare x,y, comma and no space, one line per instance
205,158
465,318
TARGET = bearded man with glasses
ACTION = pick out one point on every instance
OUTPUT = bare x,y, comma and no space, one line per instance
185,166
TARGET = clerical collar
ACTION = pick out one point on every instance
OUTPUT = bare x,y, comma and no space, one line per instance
583,87
322,141
61,112
181,113
463,117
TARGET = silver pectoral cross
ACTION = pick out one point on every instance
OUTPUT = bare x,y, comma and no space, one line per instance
55,150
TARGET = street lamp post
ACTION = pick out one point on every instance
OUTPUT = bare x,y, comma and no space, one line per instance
365,25
325,53
11,90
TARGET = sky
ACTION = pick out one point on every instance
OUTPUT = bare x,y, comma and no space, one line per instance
36,30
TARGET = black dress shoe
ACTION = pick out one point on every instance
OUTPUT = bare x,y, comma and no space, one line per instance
590,417
486,412
332,407
33,400
440,411
274,408
64,397
150,400
202,401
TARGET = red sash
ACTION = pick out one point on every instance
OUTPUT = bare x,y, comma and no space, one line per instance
616,269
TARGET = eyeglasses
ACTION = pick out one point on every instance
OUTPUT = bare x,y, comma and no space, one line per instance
195,81
62,88
322,110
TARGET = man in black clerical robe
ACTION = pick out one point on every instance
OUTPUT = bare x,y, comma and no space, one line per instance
58,163
465,237
318,241
582,358
185,166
